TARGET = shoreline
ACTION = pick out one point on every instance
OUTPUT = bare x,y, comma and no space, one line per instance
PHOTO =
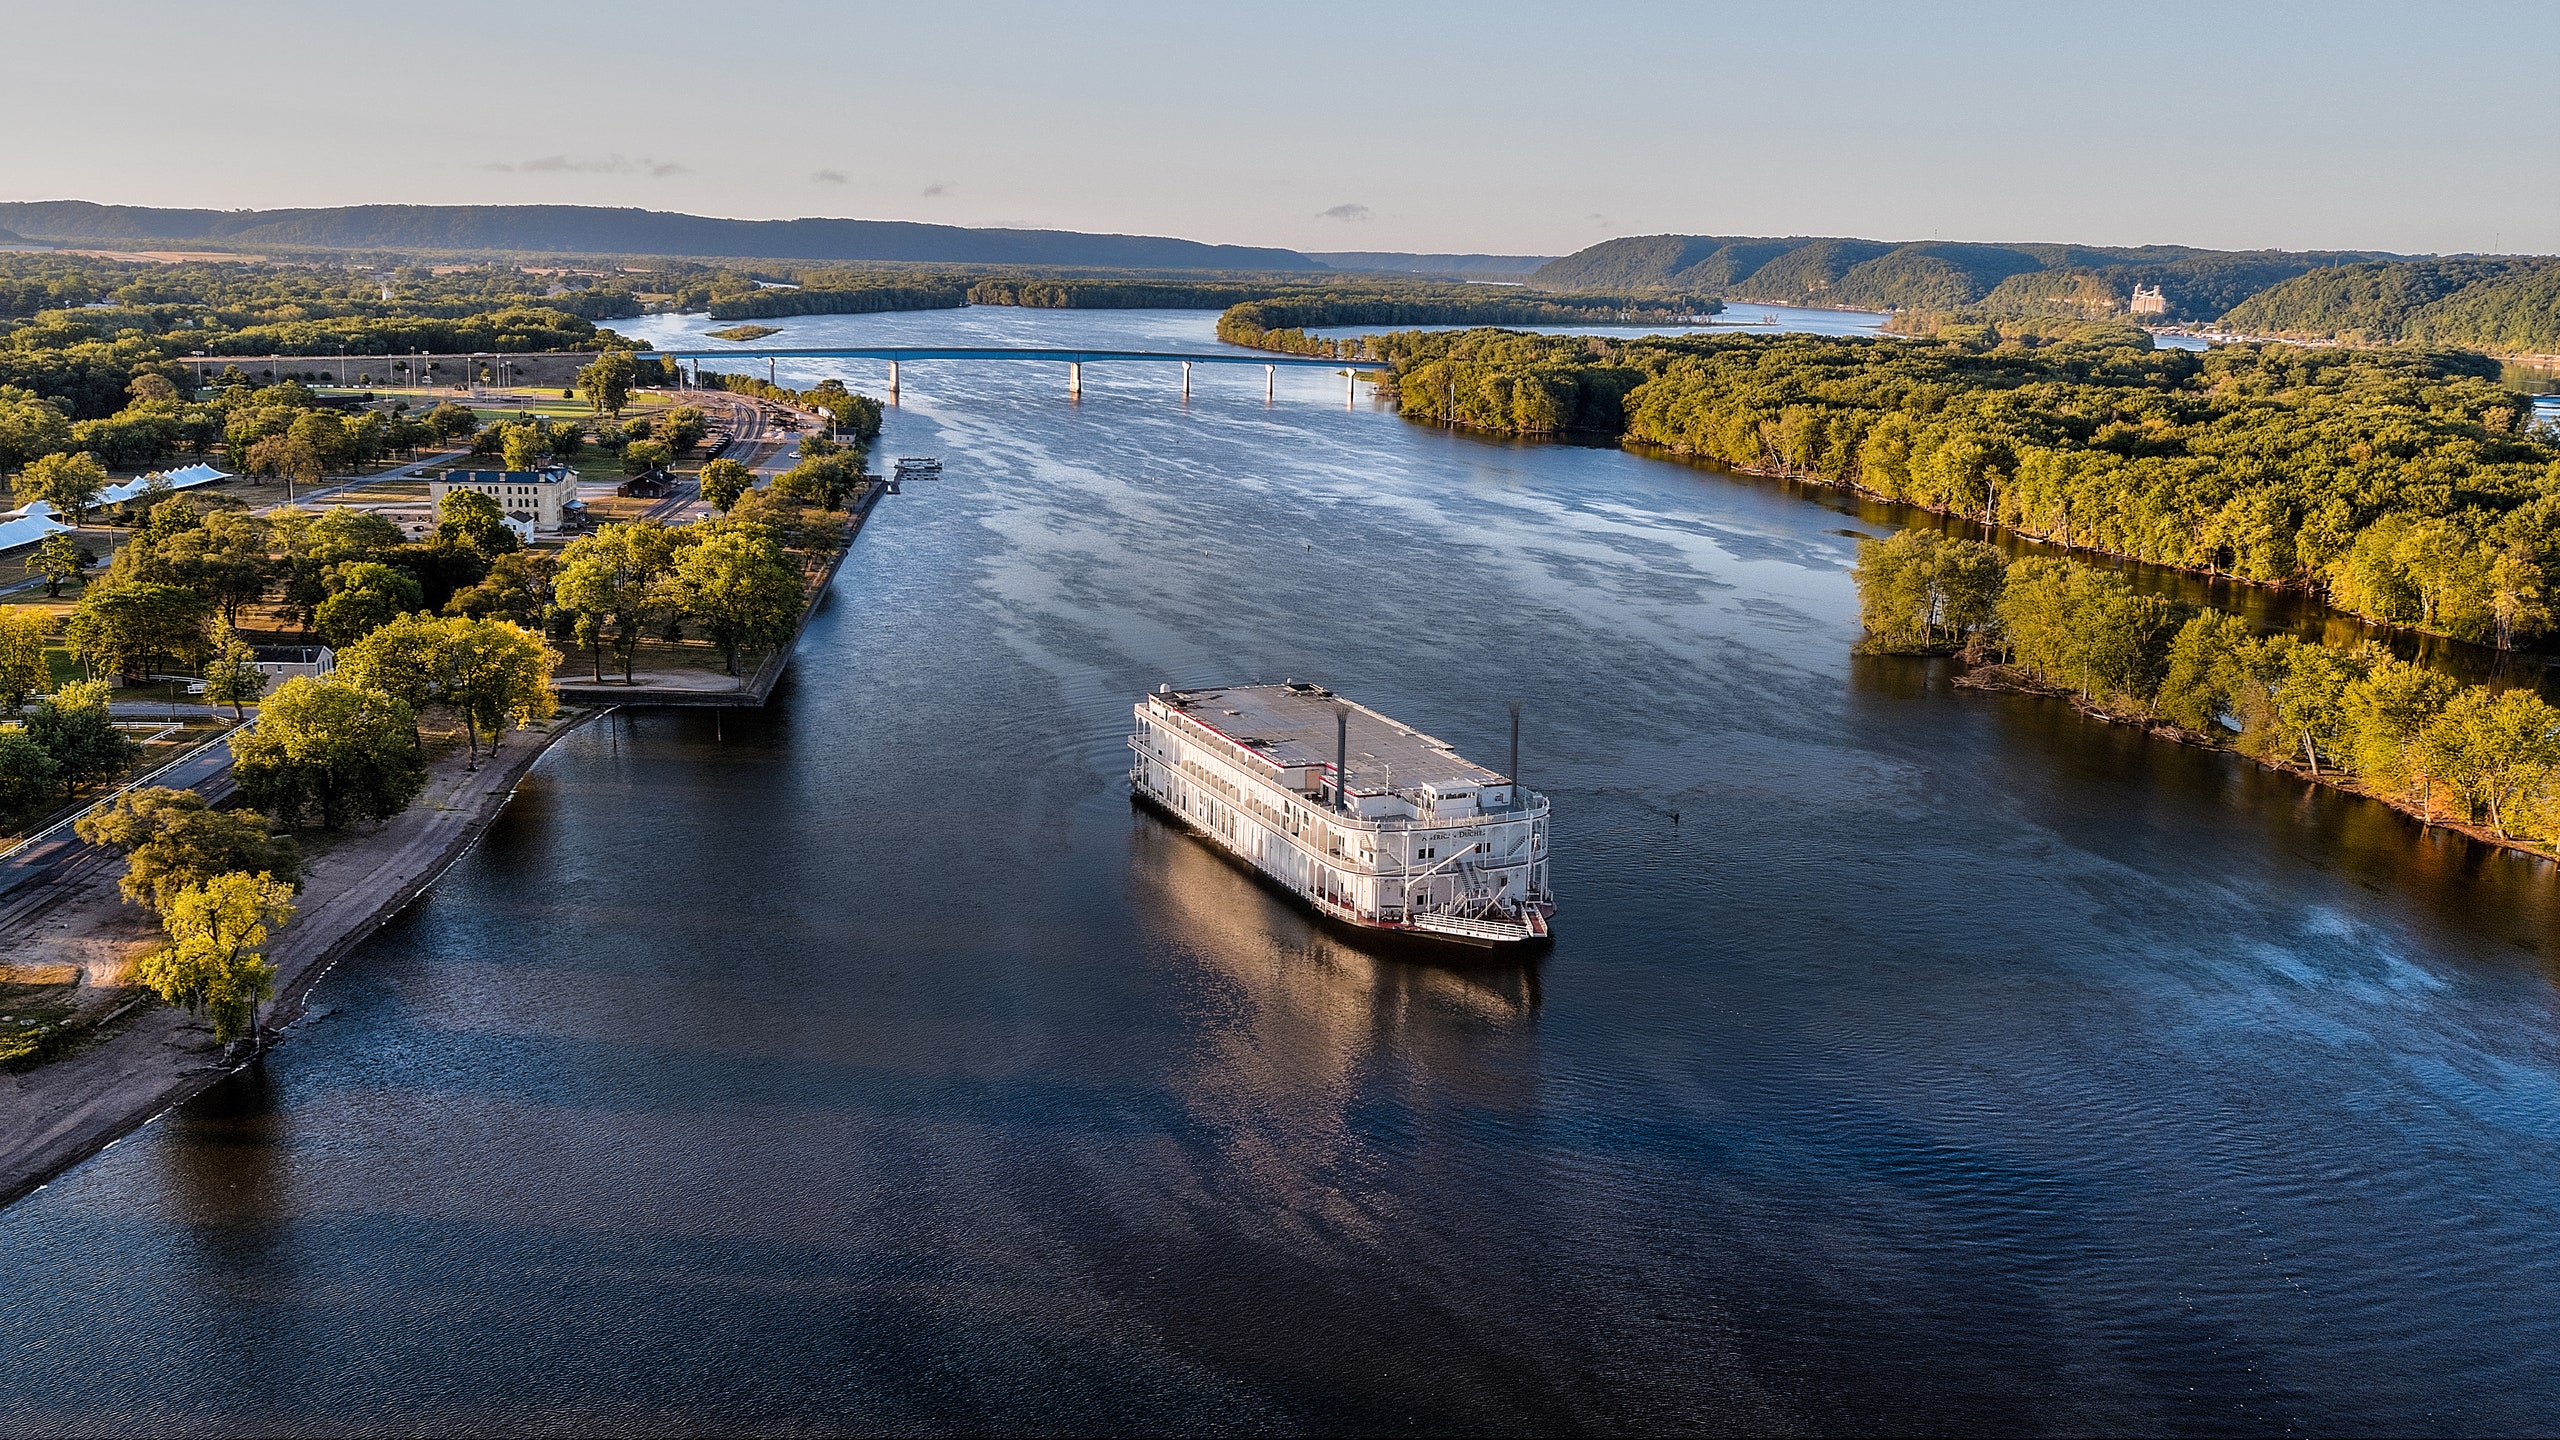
2002,678
156,1057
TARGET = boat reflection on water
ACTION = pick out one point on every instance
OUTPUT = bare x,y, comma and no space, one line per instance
1311,1008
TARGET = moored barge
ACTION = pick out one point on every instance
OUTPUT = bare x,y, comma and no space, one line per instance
1370,821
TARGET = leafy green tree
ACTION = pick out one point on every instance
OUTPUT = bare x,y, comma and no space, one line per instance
608,382
739,590
24,631
475,520
827,481
499,674
449,421
233,678
224,559
26,772
1920,591
564,438
2386,711
2493,749
611,578
517,588
522,447
138,629
640,456
30,425
56,558
339,750
2311,701
76,730
215,963
286,458
172,839
68,483
366,596
723,481
2203,678
680,429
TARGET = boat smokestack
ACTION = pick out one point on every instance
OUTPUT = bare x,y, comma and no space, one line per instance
1515,755
1342,757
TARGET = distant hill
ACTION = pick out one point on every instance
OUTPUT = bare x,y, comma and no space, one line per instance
1456,267
2509,303
1936,274
595,230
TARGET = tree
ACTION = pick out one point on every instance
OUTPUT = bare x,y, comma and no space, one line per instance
475,520
2202,677
56,558
214,964
68,483
285,457
522,447
135,630
611,577
24,629
2493,748
77,732
449,421
827,480
723,481
640,456
608,382
224,559
681,428
2385,713
366,596
172,839
2516,601
330,747
26,771
2311,699
517,587
738,588
233,677
500,673
1920,589
30,425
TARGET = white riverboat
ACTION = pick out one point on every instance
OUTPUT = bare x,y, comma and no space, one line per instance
1370,821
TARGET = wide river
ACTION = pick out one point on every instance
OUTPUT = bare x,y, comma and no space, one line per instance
1909,1058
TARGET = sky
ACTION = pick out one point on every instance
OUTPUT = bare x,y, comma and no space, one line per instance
1485,127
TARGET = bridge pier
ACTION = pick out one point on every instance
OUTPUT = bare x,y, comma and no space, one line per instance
770,377
1075,379
1186,382
1350,389
893,382
1270,383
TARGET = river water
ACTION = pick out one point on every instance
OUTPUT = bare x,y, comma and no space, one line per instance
1909,1059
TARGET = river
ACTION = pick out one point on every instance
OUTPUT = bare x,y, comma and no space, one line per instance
1909,1058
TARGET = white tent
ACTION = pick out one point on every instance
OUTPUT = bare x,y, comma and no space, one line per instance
116,494
28,529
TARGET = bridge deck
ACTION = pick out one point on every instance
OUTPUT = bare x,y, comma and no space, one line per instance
945,352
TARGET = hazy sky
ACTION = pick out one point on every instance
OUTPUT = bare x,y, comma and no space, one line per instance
1366,126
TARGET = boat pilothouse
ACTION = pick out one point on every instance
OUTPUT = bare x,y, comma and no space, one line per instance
1372,822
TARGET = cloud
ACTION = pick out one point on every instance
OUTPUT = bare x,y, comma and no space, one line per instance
937,189
1348,213
650,166
831,177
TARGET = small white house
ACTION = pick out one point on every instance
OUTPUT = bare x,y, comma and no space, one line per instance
280,663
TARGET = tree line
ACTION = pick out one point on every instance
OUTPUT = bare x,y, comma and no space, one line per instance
2403,486
2404,733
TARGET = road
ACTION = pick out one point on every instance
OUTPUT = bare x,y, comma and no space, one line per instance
48,866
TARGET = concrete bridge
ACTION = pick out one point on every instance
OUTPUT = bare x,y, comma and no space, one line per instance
1074,360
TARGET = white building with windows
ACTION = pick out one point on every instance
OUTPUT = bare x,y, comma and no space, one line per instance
546,499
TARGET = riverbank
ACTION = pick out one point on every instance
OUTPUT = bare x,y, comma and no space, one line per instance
2010,678
146,1057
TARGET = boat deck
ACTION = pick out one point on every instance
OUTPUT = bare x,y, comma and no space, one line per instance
1293,724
